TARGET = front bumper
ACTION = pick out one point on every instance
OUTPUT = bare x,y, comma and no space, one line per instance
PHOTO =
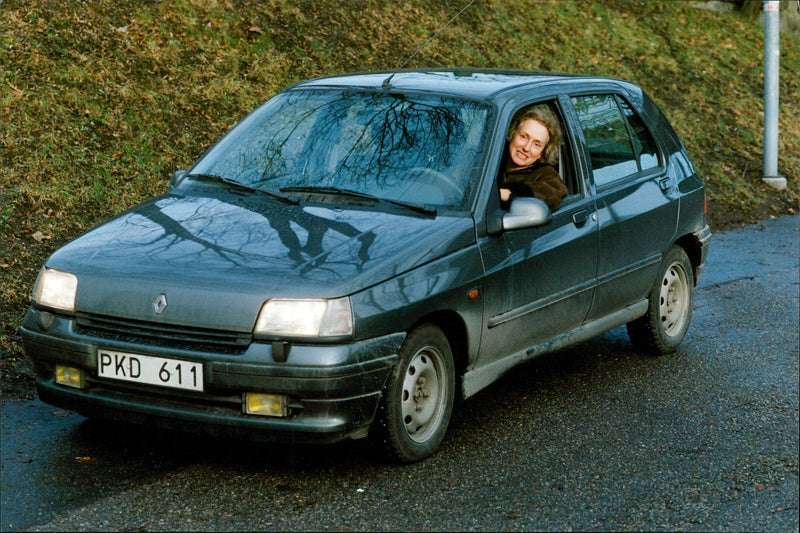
334,390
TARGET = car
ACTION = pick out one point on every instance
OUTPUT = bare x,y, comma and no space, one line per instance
340,264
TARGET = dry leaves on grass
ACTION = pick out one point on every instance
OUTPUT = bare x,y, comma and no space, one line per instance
38,236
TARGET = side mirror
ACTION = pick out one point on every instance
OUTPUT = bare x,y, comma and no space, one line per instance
526,213
176,178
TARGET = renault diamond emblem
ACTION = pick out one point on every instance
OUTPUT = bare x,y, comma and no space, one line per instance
160,303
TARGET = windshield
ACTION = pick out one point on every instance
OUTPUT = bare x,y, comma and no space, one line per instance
416,149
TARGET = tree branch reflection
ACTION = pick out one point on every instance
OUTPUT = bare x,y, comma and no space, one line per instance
357,140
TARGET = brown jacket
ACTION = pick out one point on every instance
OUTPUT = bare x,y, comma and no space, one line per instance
539,180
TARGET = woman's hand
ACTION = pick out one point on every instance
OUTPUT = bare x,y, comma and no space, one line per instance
505,194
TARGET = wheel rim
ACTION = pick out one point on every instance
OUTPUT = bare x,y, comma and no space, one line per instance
674,299
424,394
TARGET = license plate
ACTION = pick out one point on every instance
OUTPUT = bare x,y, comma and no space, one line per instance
150,370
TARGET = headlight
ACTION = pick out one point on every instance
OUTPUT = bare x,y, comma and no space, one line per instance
55,289
305,318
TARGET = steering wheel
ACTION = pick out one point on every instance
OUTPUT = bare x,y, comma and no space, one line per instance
442,181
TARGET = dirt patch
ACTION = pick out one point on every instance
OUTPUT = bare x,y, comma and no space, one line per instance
17,377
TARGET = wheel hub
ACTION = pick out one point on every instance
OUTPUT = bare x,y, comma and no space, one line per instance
422,396
674,299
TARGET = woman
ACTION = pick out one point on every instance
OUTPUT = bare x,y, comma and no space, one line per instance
533,141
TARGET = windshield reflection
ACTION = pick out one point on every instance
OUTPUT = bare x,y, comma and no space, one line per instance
407,148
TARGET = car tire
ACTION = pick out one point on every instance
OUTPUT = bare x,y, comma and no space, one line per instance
662,329
418,400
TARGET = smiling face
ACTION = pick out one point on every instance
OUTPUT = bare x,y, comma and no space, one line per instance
528,143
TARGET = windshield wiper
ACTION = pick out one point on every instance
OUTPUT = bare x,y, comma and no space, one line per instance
220,179
419,208
242,186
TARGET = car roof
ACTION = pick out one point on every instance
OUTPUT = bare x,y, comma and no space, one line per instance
479,84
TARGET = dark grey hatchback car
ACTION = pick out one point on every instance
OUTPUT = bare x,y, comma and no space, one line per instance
341,263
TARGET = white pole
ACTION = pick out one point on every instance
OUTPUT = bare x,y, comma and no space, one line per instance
772,21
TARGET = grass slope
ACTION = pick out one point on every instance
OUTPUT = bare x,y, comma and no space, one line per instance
102,100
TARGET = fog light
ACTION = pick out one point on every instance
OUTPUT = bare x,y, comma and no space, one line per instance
256,403
71,377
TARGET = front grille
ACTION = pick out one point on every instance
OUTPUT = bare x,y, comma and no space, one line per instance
182,337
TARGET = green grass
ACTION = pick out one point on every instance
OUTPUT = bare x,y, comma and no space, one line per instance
101,101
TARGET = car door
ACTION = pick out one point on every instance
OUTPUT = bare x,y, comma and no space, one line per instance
540,281
636,204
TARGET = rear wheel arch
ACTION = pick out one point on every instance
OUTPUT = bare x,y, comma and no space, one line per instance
670,300
693,251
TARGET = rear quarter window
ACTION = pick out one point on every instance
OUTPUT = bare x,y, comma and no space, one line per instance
643,142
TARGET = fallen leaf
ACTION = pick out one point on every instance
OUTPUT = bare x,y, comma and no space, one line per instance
39,236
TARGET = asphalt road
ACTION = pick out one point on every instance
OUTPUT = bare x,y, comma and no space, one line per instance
597,437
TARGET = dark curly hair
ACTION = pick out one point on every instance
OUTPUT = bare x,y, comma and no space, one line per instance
544,116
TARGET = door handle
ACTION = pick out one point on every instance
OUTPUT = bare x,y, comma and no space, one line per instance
579,218
665,184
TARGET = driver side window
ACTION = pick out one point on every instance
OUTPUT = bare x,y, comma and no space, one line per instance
536,162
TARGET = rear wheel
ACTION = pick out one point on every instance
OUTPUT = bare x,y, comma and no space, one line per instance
419,398
669,310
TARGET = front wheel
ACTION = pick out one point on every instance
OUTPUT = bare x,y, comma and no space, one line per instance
419,397
669,310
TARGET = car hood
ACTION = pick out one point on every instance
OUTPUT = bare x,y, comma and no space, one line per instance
217,258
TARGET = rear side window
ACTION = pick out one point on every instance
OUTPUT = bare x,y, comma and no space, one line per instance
643,142
618,141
